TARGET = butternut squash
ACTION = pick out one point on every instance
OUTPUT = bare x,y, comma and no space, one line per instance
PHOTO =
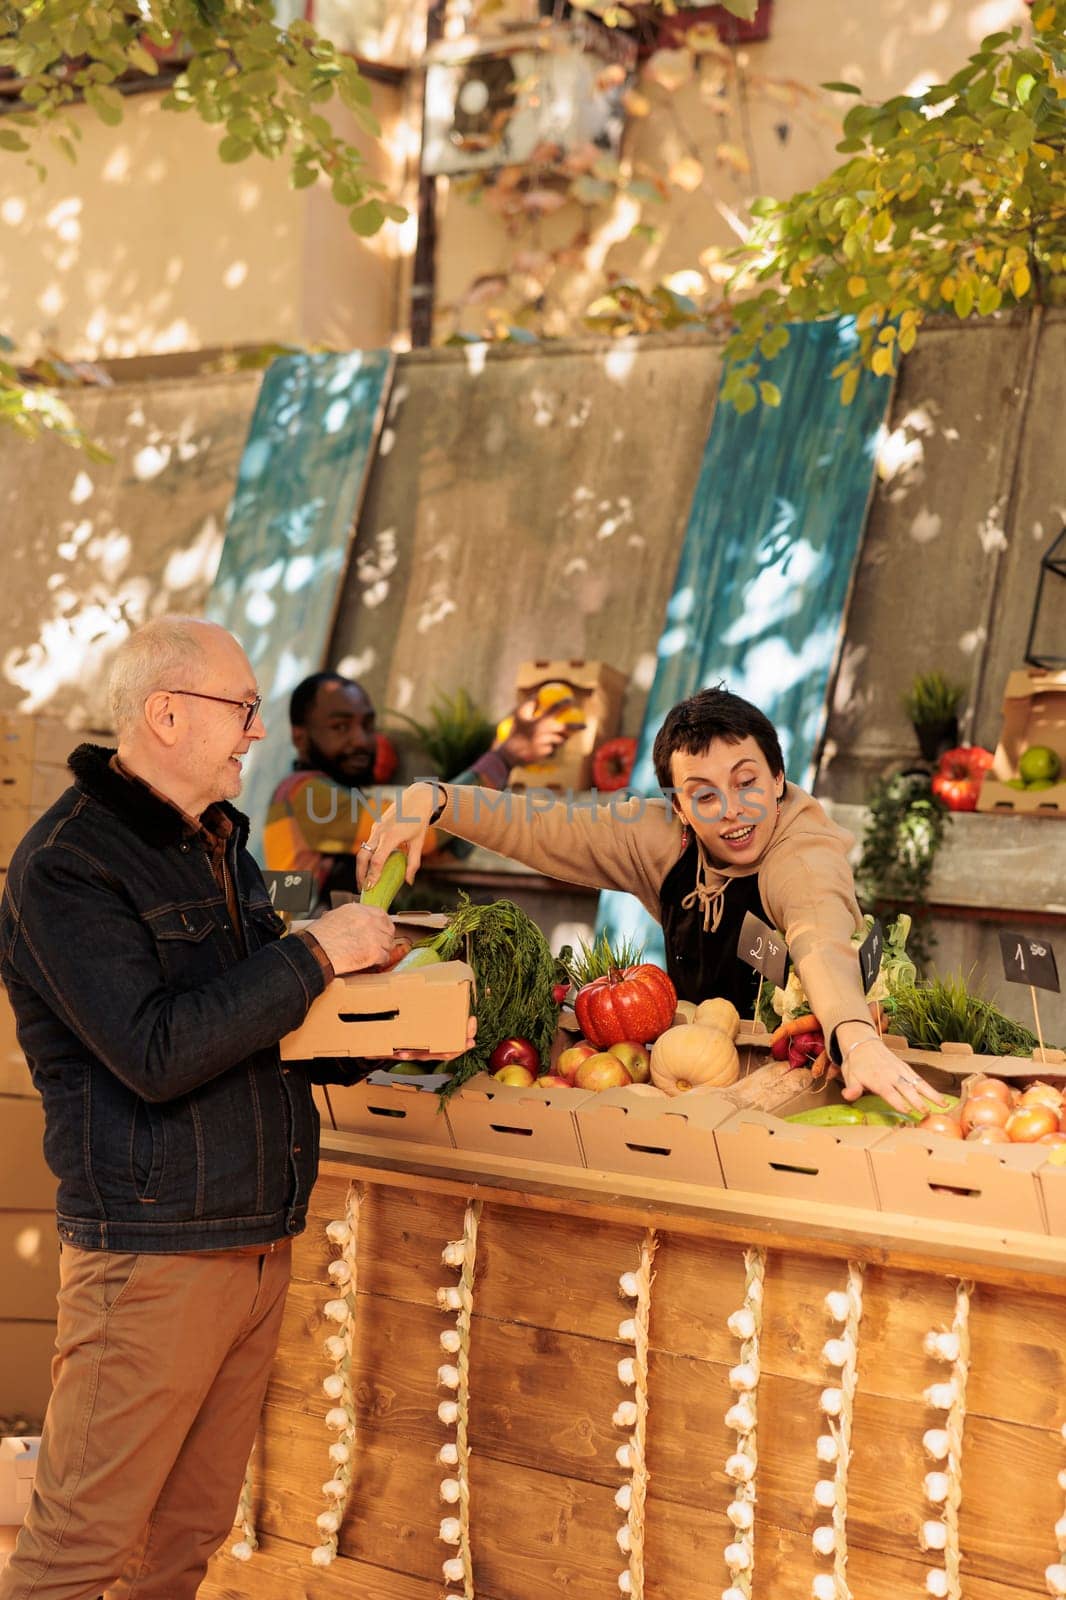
721,1014
686,1057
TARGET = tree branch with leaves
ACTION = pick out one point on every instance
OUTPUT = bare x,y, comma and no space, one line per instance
951,198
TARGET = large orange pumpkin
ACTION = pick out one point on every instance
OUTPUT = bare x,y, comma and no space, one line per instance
637,1003
688,1057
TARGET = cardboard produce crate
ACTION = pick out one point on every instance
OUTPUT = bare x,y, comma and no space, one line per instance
763,1154
531,1124
598,690
18,1467
1034,712
383,1107
992,1186
387,1013
956,1062
654,1136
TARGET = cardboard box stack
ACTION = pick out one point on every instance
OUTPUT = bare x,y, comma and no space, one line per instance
1034,713
598,690
33,770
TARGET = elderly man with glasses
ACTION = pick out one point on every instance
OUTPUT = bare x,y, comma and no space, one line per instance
152,982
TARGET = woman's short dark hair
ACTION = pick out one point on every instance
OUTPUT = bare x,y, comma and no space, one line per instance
691,725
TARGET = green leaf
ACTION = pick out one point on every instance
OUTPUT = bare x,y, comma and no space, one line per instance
964,298
10,140
231,149
366,219
745,399
841,88
106,102
142,60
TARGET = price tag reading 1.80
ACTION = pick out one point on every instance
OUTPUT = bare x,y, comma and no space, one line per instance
1029,961
763,948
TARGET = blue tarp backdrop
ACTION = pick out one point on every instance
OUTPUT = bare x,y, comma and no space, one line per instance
772,537
309,448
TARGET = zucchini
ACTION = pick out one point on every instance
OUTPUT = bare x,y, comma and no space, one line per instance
384,892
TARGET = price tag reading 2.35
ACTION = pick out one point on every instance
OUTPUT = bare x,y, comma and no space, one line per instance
764,949
289,891
1029,961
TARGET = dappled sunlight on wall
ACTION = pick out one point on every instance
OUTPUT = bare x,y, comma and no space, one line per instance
94,549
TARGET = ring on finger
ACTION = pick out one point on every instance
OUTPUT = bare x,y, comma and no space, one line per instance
366,847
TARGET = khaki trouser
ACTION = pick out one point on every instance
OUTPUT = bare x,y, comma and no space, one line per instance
159,1377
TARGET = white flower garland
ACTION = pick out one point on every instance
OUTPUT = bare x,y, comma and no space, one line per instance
340,1418
1055,1575
248,1543
943,1486
633,1372
454,1376
742,1466
834,1445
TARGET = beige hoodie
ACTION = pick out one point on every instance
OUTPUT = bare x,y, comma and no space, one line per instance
805,881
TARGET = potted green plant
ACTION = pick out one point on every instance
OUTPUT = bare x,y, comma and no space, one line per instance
456,731
932,704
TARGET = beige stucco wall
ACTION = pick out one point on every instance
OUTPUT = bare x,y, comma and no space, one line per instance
884,46
150,244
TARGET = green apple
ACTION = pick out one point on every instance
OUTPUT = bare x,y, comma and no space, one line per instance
1039,764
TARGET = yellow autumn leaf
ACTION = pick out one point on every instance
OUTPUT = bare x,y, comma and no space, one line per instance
856,286
686,173
887,335
733,157
1045,152
907,337
1044,18
881,361
1020,282
948,289
847,395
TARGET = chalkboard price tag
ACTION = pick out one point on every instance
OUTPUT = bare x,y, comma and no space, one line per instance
1029,961
764,949
870,953
289,891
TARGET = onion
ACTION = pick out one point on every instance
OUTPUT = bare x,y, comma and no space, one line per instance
984,1111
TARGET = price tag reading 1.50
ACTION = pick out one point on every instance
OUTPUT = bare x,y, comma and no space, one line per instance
1029,961
763,948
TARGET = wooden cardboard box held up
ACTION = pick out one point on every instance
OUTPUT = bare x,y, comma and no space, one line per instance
532,1124
387,1013
383,1107
598,690
1034,712
654,1136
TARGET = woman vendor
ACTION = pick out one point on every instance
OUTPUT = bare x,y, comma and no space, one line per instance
733,836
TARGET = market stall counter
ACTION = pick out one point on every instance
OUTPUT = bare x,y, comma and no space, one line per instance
511,1377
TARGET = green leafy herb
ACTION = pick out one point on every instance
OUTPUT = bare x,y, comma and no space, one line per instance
597,959
945,1011
455,732
932,700
514,972
904,833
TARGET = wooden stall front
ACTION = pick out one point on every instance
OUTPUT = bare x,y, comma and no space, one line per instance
543,1385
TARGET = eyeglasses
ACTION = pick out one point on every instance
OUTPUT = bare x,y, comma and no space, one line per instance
250,707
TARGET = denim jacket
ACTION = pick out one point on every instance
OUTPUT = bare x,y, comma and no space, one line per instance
151,1025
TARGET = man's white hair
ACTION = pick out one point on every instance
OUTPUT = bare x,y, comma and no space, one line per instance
166,653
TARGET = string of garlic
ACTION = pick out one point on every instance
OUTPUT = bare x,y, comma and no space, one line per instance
943,1485
834,1445
248,1543
633,1372
1055,1575
339,1346
742,1416
454,1411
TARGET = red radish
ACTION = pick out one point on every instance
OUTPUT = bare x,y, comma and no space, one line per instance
804,1049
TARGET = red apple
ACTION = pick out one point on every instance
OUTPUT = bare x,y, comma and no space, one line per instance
571,1059
560,992
602,1071
634,1057
515,1050
552,1080
518,1076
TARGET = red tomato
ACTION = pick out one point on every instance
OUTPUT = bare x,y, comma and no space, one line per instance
984,1111
612,765
943,1124
385,758
638,1003
957,780
1029,1123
